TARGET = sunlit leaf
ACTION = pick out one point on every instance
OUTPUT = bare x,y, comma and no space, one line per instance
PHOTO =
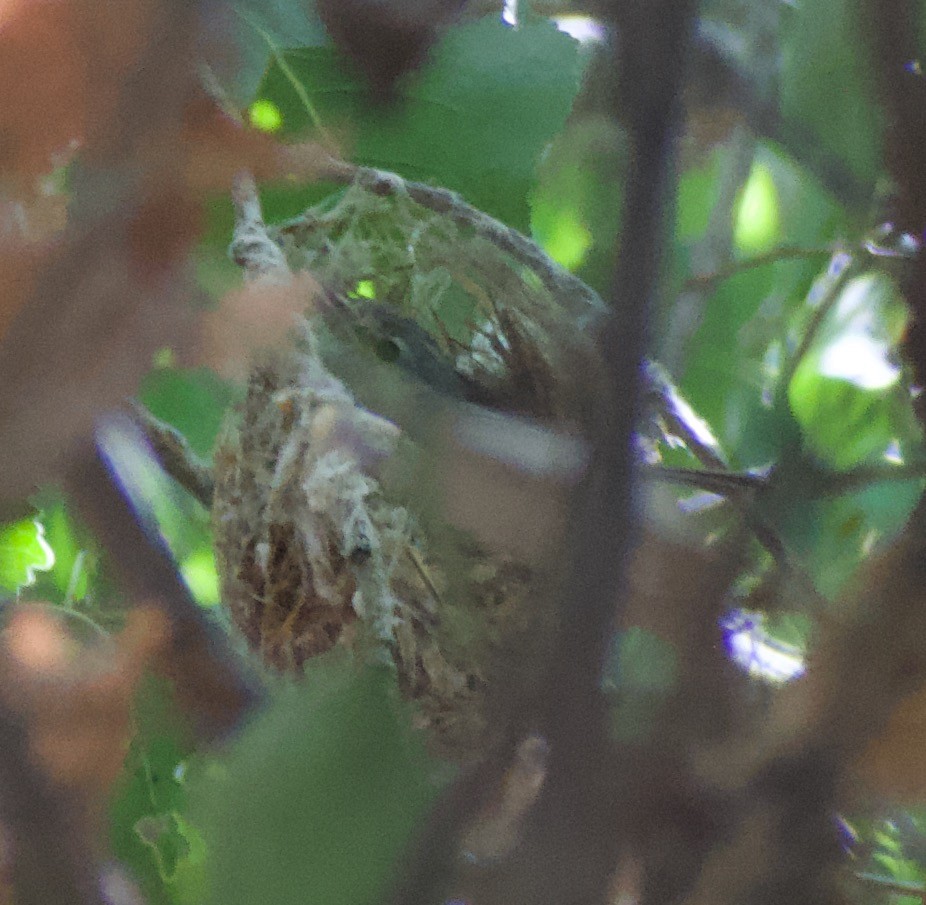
193,401
757,218
839,391
576,206
75,554
198,570
23,552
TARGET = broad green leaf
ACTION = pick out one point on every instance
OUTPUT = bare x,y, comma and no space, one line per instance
23,552
839,391
826,83
832,537
475,119
843,423
251,31
151,831
148,829
576,206
193,401
720,370
318,797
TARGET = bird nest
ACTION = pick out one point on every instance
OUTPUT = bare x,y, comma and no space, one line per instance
312,553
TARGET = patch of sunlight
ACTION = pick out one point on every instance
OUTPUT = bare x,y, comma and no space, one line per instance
758,220
199,573
756,652
266,116
568,241
584,29
861,360
366,289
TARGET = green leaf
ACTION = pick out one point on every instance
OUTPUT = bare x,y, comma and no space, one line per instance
75,553
193,401
576,206
838,393
23,552
252,28
318,798
826,84
475,120
758,222
148,830
832,537
843,423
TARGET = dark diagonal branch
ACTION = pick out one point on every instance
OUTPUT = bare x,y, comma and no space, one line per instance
571,847
52,864
176,456
893,27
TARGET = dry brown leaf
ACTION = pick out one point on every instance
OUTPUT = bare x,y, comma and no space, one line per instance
259,315
77,700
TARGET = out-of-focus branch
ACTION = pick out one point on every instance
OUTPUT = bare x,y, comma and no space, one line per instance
570,852
52,863
781,253
892,28
210,680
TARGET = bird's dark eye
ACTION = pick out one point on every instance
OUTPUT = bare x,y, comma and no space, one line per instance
387,350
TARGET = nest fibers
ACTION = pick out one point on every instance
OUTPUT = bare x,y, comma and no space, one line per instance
312,553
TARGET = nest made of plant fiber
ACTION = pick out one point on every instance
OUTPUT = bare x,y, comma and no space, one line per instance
490,317
311,554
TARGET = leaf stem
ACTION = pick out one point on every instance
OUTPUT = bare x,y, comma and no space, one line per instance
781,253
287,71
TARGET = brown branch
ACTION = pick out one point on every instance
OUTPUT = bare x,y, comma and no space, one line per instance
52,864
888,884
570,853
211,682
175,455
892,28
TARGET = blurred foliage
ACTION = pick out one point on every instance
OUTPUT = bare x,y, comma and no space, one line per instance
314,802
476,119
329,786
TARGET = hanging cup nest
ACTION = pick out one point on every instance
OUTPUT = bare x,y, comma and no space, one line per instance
312,553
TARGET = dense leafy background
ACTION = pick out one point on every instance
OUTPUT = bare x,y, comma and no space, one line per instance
316,799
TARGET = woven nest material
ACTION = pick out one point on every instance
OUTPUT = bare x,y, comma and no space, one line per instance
311,552
312,555
484,313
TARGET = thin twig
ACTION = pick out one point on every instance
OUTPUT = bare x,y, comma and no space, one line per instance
841,269
284,67
889,884
175,455
781,253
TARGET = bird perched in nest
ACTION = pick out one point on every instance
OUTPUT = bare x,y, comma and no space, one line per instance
313,552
